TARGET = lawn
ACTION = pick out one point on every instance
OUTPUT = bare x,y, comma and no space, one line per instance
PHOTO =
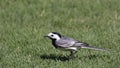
23,23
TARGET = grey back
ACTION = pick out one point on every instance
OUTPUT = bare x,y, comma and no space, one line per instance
65,42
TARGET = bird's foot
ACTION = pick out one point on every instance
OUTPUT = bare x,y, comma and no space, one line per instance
71,57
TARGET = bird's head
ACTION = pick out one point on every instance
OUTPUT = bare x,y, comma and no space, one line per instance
54,36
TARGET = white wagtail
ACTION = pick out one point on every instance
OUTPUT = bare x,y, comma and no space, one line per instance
68,44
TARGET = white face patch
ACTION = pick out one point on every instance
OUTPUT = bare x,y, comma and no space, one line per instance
54,36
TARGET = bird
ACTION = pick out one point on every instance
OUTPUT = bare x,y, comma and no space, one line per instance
69,44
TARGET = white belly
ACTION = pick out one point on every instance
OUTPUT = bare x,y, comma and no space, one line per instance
68,49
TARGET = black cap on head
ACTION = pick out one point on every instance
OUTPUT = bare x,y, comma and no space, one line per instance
57,34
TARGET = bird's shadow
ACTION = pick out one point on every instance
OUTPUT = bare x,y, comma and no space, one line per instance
65,58
54,57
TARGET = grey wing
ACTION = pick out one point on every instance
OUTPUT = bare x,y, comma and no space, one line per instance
81,44
65,42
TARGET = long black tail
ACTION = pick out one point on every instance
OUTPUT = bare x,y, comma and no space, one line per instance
95,48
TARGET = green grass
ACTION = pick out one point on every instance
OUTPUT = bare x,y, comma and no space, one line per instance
23,23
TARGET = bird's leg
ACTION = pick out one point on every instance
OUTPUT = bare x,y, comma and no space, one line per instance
72,53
